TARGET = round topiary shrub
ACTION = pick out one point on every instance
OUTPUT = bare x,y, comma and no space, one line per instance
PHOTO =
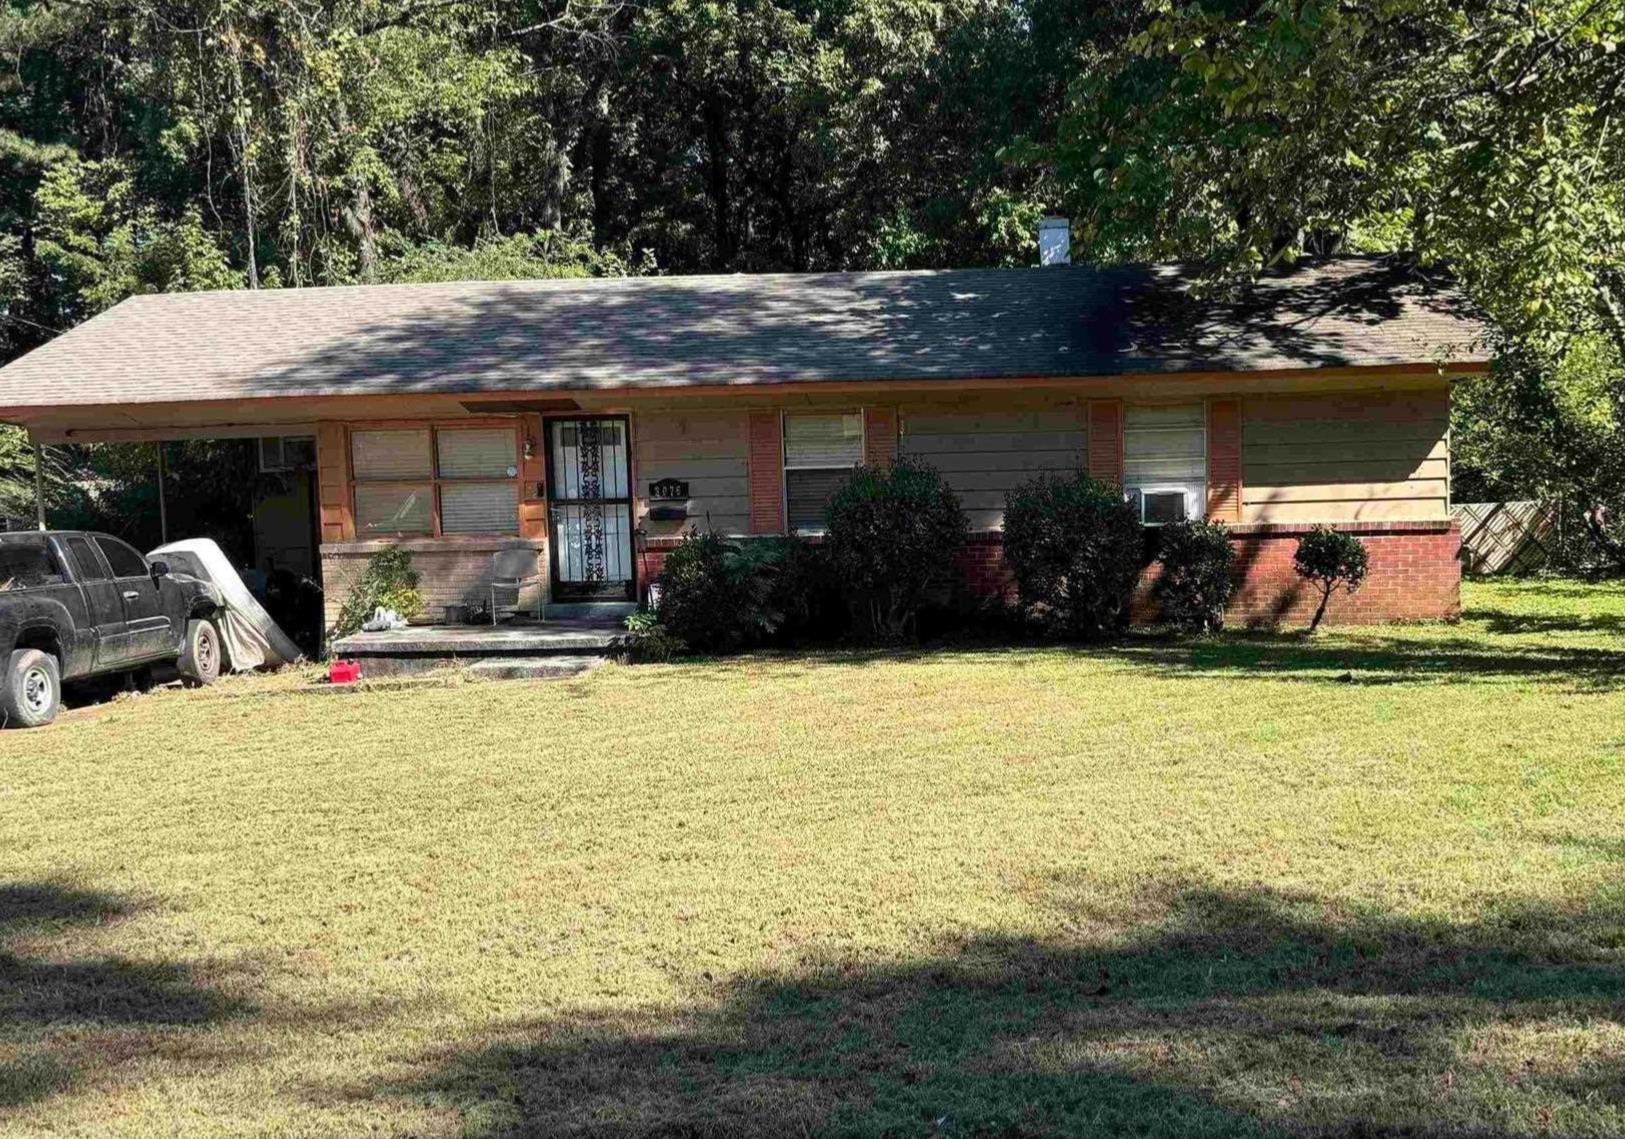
1074,548
1330,558
1194,585
893,534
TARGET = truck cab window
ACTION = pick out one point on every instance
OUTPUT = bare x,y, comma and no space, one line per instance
26,563
87,566
125,561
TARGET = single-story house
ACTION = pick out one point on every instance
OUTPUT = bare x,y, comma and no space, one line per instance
592,422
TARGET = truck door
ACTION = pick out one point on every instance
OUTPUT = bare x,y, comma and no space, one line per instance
102,599
152,635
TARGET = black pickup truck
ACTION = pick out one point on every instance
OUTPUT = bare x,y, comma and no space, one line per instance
74,605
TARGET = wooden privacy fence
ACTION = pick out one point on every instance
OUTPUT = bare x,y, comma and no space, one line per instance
1505,537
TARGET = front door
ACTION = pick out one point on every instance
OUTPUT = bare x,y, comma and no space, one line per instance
149,631
102,600
589,490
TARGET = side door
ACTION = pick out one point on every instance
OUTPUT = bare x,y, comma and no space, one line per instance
105,607
152,635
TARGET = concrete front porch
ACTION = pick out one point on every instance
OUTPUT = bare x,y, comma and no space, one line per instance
516,649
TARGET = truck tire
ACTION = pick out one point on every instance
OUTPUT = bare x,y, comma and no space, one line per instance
200,653
31,690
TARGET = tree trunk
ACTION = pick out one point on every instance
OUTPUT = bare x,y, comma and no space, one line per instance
716,144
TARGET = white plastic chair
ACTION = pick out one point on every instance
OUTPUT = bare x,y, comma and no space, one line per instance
511,571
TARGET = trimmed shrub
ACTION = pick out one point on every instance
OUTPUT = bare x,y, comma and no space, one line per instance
802,596
892,535
720,596
1195,582
390,581
1075,549
1330,558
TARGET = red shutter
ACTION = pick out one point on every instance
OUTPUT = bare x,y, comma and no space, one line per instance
333,482
1106,440
1224,460
532,476
879,435
766,473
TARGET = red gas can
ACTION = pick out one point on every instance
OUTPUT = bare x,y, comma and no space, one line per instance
344,672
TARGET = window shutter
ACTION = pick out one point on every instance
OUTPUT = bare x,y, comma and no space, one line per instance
879,435
1106,441
333,483
766,473
1224,460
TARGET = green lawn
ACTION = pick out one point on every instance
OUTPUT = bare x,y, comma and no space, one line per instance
1366,883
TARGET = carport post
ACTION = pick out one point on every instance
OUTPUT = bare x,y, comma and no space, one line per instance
163,507
39,480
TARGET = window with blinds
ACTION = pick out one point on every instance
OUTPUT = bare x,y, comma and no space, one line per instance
1165,461
435,480
478,453
819,453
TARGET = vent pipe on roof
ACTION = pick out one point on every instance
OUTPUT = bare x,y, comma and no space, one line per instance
1055,241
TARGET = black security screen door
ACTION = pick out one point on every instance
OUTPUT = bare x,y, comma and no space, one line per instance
590,503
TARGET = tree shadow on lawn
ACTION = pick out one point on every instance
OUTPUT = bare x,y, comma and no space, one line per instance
1366,658
64,1010
1211,1012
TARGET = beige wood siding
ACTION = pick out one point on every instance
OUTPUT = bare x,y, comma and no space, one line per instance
1348,457
706,449
984,453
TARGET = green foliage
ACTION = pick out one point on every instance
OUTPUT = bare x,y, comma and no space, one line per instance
892,534
1480,136
1329,558
524,256
655,642
1195,583
720,596
1074,548
389,581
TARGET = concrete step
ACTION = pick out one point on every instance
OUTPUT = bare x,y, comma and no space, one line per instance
534,668
588,610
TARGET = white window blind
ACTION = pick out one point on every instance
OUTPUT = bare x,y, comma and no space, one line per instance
393,508
390,454
819,454
479,508
1165,460
823,440
474,453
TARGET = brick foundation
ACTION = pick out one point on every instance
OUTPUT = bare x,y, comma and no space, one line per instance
454,571
1415,574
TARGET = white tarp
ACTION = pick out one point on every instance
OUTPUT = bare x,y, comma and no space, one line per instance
251,638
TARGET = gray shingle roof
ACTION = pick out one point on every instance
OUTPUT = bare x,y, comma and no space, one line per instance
663,331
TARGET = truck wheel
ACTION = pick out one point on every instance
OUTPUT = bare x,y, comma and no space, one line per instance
200,654
31,691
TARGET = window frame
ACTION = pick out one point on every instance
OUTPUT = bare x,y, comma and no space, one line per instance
434,480
785,466
1195,492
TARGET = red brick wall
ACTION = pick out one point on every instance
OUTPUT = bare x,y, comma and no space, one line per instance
766,473
1414,575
